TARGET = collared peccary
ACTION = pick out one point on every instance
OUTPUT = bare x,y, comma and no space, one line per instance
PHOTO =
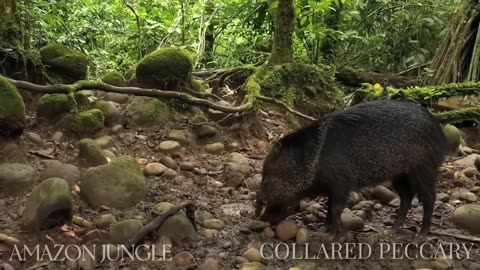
363,145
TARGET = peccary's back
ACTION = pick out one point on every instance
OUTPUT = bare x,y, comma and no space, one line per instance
381,139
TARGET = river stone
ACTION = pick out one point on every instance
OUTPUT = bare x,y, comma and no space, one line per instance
383,194
467,217
110,111
104,221
286,230
209,264
68,172
183,258
35,138
116,97
105,142
119,184
351,222
214,148
214,223
154,168
169,162
180,136
16,178
168,147
49,204
90,154
235,170
177,227
253,255
123,231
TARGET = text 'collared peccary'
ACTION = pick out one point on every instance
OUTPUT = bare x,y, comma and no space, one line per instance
363,145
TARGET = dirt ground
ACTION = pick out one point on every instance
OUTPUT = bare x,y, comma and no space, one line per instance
234,238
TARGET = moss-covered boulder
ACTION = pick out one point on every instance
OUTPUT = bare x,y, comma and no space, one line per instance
177,227
309,88
48,205
118,184
165,68
53,106
114,78
63,63
84,123
454,137
12,110
147,111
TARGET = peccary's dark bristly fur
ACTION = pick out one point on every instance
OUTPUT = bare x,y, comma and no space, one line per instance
361,146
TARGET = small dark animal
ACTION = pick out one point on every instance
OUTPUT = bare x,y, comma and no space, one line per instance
363,145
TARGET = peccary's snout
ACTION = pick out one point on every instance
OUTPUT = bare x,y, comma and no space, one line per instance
272,213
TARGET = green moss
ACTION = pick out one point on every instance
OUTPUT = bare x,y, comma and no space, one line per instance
306,85
85,123
11,103
453,135
147,111
114,78
54,105
458,116
127,163
252,88
199,86
423,95
165,67
63,60
12,109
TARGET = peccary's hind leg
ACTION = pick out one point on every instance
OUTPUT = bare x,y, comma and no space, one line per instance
402,184
426,194
336,204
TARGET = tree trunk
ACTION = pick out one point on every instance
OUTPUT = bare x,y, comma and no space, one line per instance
282,51
329,43
8,31
209,35
457,58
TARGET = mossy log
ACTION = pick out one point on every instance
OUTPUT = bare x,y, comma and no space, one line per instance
426,96
458,116
357,78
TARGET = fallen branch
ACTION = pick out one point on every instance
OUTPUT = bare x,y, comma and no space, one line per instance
97,85
159,220
458,236
187,98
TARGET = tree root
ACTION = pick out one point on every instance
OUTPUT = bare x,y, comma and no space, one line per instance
250,99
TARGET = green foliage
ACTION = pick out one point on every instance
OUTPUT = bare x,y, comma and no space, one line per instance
383,35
